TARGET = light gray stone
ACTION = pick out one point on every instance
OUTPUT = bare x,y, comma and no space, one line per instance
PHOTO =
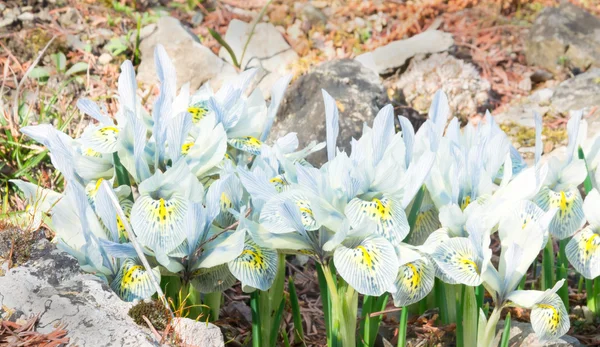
267,51
396,54
467,92
69,18
26,17
197,334
522,334
359,95
52,285
194,63
104,59
564,35
581,92
313,15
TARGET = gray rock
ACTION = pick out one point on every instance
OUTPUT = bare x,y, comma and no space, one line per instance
194,63
52,285
579,92
357,90
70,17
197,334
467,92
522,334
565,34
6,21
395,54
313,15
74,42
267,51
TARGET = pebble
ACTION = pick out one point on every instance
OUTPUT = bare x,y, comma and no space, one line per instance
26,17
104,59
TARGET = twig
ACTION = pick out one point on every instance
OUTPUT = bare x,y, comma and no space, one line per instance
375,314
13,120
156,334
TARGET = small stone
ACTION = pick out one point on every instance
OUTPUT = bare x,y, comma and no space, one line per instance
313,15
540,76
2,6
197,334
70,17
197,18
588,315
44,15
542,96
395,54
6,21
104,59
74,42
26,17
522,335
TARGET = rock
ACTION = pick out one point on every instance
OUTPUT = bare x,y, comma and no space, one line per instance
104,59
74,42
267,50
6,21
194,63
197,18
197,334
565,34
357,90
70,17
522,334
579,92
52,285
393,55
313,15
540,76
26,17
467,92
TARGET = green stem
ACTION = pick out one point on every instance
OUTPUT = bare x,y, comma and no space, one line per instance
256,338
440,301
459,319
596,291
587,184
563,273
548,266
365,323
591,299
298,331
402,327
480,295
469,317
580,284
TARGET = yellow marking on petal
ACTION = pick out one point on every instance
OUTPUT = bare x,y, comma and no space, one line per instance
185,148
257,260
225,202
279,182
366,256
248,144
469,263
466,201
91,153
590,245
563,201
198,112
109,133
415,279
130,277
553,317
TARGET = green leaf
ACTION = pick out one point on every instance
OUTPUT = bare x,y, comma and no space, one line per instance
506,332
299,332
60,61
225,45
39,72
77,68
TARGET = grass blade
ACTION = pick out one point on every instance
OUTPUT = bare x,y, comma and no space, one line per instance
506,333
298,331
225,45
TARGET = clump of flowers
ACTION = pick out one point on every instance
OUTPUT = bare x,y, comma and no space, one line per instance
191,196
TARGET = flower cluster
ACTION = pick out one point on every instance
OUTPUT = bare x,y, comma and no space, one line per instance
195,183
